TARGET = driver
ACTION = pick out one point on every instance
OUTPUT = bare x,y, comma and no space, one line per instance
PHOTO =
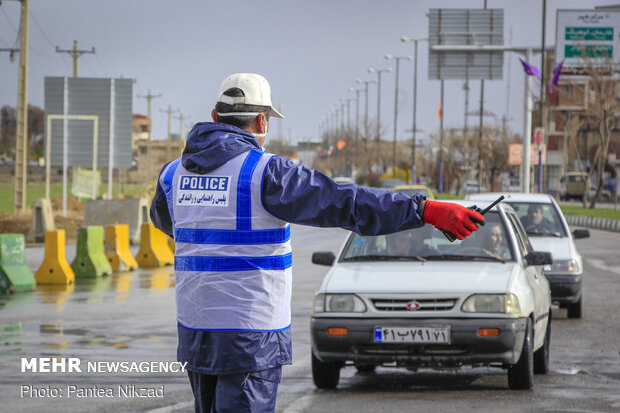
398,244
535,222
403,244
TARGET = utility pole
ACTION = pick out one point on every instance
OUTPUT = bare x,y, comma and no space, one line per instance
21,133
75,53
440,178
169,111
148,98
181,119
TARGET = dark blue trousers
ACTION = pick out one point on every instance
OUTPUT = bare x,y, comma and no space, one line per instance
236,393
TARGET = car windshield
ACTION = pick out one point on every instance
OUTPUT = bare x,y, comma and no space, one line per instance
413,191
539,219
489,243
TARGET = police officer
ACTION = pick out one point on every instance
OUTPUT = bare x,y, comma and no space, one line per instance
228,205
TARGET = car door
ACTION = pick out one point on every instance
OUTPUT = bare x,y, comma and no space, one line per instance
536,280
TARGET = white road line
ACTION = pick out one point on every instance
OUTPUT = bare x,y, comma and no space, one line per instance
600,264
299,404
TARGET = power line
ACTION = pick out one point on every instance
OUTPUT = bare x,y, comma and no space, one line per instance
9,20
105,72
34,19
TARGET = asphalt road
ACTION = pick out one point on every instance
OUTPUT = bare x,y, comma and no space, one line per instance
131,317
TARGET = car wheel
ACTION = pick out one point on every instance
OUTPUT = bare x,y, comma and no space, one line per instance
574,309
521,375
365,368
541,356
325,374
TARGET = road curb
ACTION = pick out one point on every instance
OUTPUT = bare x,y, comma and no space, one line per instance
591,222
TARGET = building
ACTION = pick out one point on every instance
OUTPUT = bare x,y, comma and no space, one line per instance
158,152
139,129
573,126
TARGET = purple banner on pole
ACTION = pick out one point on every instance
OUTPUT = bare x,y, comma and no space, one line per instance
556,76
530,69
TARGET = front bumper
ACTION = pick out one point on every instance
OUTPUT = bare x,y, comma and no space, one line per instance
466,346
565,288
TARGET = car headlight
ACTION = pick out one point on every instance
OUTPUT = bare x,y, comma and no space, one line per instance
492,303
338,303
563,267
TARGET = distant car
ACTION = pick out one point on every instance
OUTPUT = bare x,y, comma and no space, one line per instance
411,190
566,274
571,185
392,182
471,187
414,299
343,180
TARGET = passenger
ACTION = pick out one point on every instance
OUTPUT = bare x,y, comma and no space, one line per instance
493,240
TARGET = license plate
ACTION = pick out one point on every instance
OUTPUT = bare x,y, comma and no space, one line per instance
433,335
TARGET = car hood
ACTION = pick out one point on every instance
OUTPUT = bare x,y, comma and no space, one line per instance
560,248
428,277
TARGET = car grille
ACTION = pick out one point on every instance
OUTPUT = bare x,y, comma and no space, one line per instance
425,304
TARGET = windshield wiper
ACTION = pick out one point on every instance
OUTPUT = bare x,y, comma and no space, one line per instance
457,257
378,257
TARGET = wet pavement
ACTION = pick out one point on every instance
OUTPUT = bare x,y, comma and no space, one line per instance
130,317
125,317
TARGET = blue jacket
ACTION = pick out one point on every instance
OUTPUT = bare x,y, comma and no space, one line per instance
292,193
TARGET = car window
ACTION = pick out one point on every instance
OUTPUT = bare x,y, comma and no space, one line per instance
522,240
489,243
539,219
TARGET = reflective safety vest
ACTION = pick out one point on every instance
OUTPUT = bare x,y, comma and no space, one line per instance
232,258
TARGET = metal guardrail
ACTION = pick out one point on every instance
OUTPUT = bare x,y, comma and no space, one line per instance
592,222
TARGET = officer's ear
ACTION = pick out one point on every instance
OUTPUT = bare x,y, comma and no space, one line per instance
214,115
260,123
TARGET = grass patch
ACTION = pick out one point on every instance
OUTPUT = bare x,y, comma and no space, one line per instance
587,212
445,195
37,190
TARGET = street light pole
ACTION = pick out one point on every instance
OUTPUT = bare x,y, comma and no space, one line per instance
379,71
415,95
397,58
357,111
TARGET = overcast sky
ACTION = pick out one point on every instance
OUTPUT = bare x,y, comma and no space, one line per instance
311,52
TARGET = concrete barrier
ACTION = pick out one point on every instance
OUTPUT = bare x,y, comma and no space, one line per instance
55,268
42,220
592,222
90,259
133,212
117,248
154,250
14,273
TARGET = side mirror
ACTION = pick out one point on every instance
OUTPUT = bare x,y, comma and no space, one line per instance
581,233
323,258
539,258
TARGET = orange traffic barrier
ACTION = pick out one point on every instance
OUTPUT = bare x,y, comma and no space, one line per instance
117,248
154,250
55,268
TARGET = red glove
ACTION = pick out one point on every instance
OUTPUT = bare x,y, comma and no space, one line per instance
452,217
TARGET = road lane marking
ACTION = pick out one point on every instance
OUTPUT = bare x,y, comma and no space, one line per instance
600,264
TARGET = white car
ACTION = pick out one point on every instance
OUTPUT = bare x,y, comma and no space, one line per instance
414,299
552,234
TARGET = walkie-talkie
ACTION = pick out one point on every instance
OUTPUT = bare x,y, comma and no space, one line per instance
451,237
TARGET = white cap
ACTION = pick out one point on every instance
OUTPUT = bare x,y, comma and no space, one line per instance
255,88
